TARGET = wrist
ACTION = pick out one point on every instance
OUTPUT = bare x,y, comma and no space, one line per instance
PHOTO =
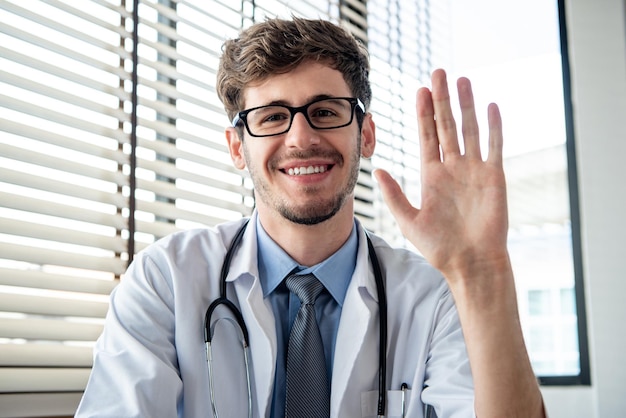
477,273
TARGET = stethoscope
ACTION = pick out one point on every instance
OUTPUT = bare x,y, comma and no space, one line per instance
241,325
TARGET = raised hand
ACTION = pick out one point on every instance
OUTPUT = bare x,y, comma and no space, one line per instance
461,229
462,223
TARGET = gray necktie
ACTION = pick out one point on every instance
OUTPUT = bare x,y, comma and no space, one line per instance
307,385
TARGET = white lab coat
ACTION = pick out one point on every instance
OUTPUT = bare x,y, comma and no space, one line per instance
150,360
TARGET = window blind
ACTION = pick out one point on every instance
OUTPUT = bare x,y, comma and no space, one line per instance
399,34
95,166
61,190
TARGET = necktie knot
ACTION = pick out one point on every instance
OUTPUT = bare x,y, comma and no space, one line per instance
305,286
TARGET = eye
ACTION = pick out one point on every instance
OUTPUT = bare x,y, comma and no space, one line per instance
268,115
323,113
275,117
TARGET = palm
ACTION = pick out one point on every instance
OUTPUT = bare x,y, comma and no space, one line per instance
463,213
463,218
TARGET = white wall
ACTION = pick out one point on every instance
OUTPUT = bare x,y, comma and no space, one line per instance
597,47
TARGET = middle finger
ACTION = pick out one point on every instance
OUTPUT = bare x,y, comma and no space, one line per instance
446,125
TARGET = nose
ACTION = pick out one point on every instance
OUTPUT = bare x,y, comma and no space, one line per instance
301,134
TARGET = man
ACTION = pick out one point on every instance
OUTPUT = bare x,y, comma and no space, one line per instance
298,94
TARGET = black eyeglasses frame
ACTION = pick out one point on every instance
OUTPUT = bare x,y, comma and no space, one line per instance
241,117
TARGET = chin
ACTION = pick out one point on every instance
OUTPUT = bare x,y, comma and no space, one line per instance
311,217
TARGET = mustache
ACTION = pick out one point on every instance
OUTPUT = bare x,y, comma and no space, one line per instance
329,154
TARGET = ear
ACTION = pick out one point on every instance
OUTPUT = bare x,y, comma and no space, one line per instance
368,136
235,147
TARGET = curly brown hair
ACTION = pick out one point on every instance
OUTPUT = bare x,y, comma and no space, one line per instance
277,46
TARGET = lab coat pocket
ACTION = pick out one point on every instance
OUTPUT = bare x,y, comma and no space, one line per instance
397,403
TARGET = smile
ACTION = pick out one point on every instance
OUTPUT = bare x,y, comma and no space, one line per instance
301,171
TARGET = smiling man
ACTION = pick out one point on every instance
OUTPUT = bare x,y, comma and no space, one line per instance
304,174
338,323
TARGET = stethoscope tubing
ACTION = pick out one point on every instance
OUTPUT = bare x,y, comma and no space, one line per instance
382,312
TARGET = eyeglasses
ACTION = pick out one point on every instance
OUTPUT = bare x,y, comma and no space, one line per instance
327,113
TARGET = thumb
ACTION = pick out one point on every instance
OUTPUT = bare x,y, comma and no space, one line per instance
398,204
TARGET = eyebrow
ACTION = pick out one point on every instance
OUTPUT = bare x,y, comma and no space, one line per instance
308,100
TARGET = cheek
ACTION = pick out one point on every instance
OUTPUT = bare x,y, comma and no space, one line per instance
254,158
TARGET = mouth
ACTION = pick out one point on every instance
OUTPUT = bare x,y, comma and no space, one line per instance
307,170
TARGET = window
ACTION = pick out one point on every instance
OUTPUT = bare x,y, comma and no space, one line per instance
526,73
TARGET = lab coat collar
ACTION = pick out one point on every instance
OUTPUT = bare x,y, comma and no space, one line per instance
244,262
354,357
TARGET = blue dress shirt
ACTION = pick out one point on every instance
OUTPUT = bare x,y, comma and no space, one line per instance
335,273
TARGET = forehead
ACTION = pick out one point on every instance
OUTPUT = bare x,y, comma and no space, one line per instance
297,87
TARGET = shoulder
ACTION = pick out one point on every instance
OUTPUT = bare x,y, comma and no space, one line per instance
192,253
190,242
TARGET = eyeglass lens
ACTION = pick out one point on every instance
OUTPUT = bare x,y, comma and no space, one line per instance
322,114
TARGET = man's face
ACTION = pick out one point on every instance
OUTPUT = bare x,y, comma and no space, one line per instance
304,175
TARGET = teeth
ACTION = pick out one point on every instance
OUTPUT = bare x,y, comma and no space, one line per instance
298,171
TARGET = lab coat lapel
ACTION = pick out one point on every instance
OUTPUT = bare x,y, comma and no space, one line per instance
258,317
355,363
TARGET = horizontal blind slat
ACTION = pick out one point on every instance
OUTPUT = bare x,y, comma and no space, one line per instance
42,280
210,12
354,16
356,30
174,112
157,228
92,18
174,35
170,71
38,404
170,150
62,188
173,93
119,9
60,118
27,379
171,171
171,211
46,207
49,329
43,256
63,73
359,5
53,162
69,53
58,306
69,30
171,131
169,190
364,209
52,138
61,235
165,50
61,95
45,355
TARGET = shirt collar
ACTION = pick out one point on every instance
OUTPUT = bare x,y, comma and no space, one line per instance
335,272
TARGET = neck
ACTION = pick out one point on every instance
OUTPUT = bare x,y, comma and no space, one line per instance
309,244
